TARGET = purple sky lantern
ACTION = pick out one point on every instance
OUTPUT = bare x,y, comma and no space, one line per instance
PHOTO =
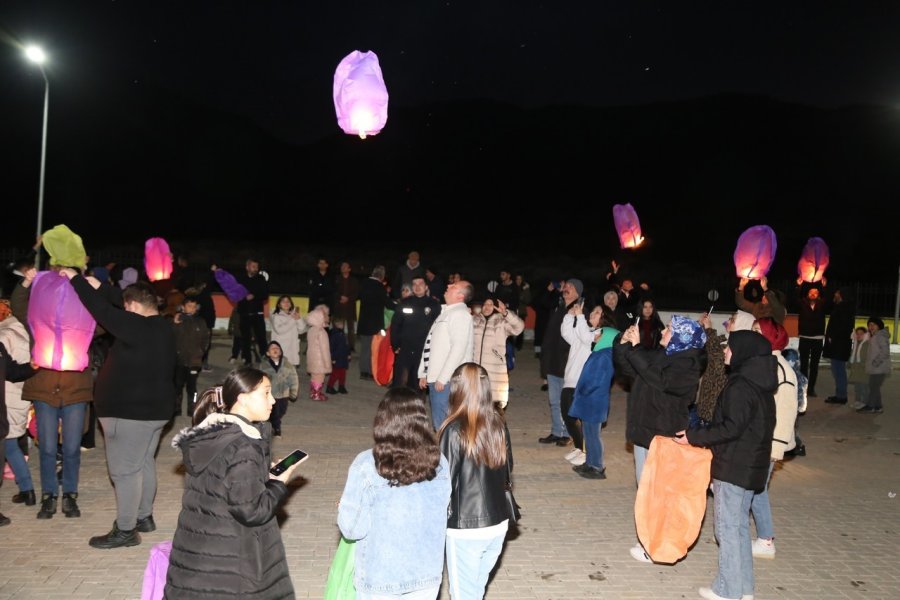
157,259
628,227
61,326
755,252
233,290
813,260
360,96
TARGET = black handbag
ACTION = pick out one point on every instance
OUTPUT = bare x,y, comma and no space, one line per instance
514,512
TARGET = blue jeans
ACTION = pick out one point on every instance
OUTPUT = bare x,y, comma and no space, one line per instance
839,372
640,456
19,466
469,564
554,389
593,444
440,404
762,510
48,419
732,504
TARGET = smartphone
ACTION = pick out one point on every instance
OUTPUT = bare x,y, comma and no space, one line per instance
295,457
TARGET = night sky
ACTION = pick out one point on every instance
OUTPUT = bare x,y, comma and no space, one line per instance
272,62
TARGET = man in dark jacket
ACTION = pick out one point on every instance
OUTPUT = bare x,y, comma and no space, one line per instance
321,285
252,310
838,342
409,327
554,354
740,437
373,299
811,330
133,396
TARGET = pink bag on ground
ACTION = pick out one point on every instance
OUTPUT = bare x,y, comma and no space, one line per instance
155,573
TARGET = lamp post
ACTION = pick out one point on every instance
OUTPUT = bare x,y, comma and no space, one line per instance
36,55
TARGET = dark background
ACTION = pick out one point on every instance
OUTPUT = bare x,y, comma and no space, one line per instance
514,127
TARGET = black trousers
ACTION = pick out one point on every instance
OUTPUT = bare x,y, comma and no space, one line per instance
185,376
810,353
255,324
406,370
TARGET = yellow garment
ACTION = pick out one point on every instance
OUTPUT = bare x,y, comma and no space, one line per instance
64,247
671,498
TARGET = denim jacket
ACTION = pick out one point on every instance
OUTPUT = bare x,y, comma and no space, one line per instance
400,531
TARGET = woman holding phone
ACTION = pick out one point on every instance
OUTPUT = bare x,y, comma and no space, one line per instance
227,542
395,504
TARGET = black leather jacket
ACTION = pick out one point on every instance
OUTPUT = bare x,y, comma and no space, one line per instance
478,496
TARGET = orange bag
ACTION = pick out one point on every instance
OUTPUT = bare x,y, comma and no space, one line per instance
671,498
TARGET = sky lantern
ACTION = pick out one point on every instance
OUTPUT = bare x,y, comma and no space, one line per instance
62,327
813,260
157,259
64,247
755,252
628,227
360,96
233,290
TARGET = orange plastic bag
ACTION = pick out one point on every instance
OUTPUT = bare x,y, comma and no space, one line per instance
671,498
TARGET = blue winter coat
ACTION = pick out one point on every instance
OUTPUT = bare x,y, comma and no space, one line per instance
591,401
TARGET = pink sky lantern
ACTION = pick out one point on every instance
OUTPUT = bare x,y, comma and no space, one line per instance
157,259
813,260
627,226
62,327
360,96
755,252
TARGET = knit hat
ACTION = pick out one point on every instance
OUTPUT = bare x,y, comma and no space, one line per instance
686,334
129,276
775,333
579,287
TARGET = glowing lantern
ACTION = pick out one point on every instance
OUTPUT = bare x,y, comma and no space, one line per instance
755,252
157,259
813,260
360,96
62,327
233,290
627,226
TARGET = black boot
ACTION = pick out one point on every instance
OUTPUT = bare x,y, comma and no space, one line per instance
330,390
26,498
343,390
4,520
116,538
69,504
146,525
48,506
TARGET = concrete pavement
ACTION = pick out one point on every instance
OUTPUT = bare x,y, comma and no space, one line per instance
836,513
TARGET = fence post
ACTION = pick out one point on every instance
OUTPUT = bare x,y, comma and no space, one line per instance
897,306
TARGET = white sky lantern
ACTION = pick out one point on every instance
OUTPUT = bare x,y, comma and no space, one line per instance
360,96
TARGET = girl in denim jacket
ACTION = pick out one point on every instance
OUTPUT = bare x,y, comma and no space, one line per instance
395,504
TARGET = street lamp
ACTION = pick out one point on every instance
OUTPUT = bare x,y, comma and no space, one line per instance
36,55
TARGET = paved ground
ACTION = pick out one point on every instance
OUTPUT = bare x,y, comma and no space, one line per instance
836,514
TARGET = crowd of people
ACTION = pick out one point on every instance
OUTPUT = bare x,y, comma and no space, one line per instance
441,448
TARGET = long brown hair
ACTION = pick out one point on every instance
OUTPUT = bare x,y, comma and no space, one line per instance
406,450
481,427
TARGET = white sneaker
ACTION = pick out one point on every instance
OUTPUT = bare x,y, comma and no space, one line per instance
575,452
857,405
578,459
638,554
763,548
711,595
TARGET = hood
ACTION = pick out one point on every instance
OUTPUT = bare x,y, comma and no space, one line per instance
315,318
201,444
752,359
743,321
686,334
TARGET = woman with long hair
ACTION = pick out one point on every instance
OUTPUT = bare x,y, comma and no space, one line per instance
227,543
475,440
395,504
492,327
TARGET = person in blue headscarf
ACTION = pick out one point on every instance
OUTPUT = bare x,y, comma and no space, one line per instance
664,385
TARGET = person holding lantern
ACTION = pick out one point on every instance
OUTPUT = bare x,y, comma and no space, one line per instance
251,309
811,329
134,394
58,396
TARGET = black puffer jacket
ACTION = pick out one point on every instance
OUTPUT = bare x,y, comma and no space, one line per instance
227,543
478,496
744,421
662,390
